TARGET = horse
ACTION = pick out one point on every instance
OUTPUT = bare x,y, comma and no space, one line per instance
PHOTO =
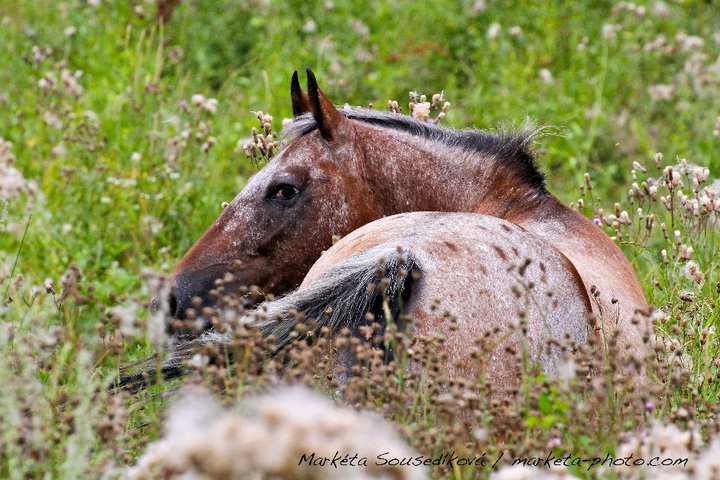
459,276
479,277
341,169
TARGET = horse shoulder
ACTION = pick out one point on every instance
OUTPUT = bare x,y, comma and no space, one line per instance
616,295
491,276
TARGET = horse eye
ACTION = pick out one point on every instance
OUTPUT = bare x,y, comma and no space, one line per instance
283,192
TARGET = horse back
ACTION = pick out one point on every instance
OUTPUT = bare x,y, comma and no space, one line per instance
480,278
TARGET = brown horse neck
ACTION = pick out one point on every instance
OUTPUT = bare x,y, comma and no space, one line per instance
430,176
422,175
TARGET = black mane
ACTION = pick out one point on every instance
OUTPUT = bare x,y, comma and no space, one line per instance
512,147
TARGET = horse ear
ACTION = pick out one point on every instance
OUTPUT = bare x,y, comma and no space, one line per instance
329,120
300,102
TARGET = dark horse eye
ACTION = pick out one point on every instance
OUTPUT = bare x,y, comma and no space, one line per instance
282,191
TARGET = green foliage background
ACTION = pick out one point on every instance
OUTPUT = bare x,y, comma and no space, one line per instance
584,67
243,53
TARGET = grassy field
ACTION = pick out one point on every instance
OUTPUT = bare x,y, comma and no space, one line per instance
111,164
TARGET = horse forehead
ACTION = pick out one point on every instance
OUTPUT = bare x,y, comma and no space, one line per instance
302,151
297,156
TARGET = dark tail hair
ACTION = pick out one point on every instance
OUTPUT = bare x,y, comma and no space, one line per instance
342,298
377,281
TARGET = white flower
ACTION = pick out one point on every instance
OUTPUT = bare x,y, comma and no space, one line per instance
478,7
126,317
210,105
661,9
309,26
708,464
198,361
546,75
494,31
269,439
661,92
70,81
693,272
566,371
153,225
689,42
664,441
624,218
52,120
158,288
91,116
12,181
480,434
521,472
421,110
610,30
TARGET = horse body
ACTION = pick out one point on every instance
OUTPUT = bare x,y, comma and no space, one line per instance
343,169
611,282
423,175
489,274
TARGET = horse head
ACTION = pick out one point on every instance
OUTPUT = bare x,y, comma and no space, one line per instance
278,225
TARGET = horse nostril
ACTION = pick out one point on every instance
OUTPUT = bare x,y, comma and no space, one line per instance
173,305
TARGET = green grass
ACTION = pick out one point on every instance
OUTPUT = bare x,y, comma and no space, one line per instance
112,213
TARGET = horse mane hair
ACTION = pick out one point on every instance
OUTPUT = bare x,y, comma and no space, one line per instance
511,146
345,289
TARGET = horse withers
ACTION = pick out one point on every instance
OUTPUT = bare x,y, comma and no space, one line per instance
341,169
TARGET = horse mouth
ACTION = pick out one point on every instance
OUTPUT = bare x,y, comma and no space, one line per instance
183,327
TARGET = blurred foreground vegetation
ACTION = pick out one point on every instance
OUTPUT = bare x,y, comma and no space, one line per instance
127,137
